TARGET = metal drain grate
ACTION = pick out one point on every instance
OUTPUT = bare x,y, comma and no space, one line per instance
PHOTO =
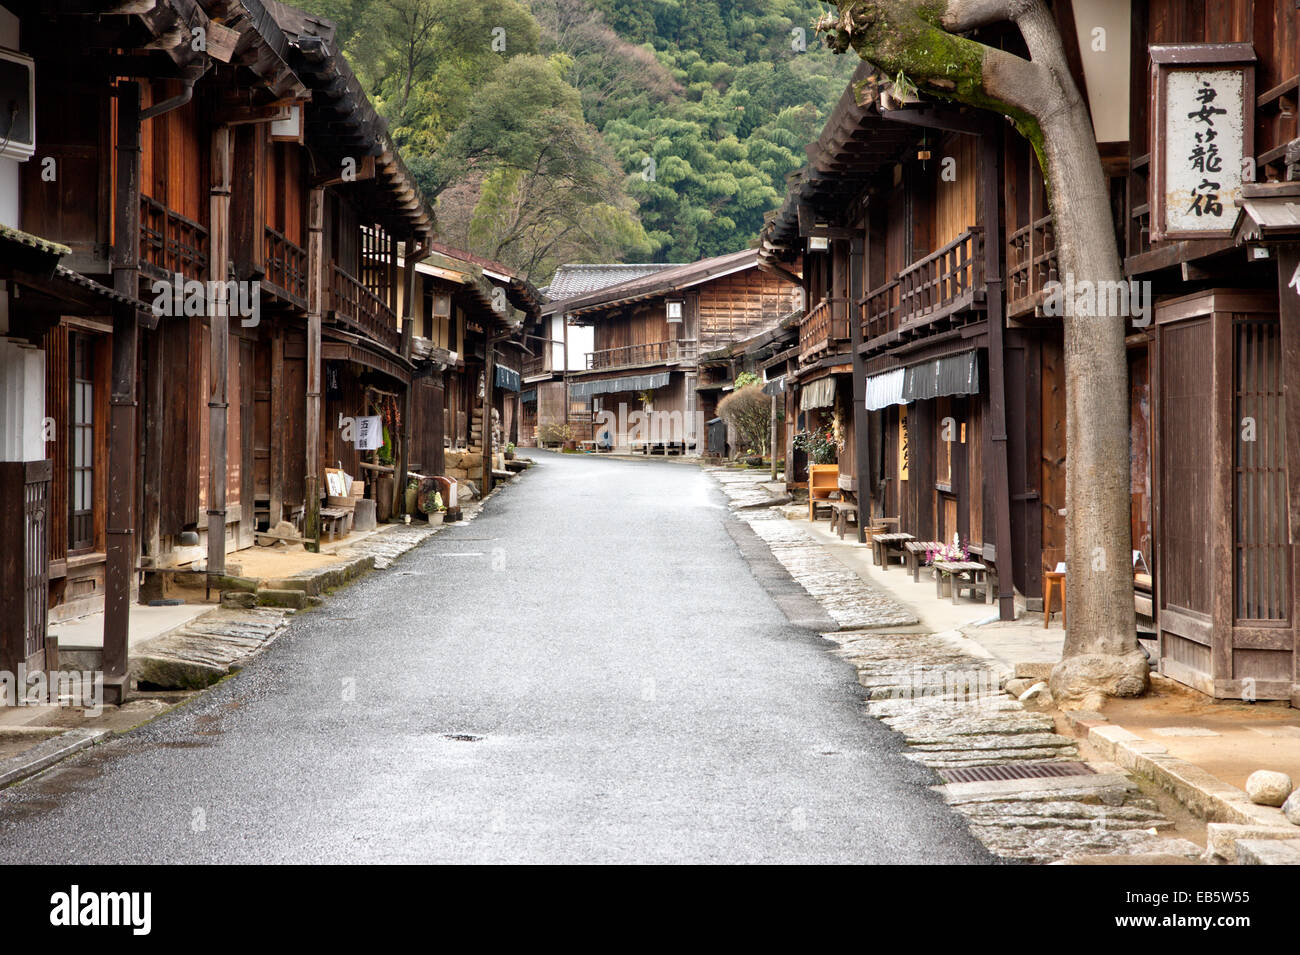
981,774
462,737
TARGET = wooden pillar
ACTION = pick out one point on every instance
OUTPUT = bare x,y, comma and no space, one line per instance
861,447
277,432
771,441
120,532
1288,263
990,169
219,350
489,372
315,306
564,321
414,253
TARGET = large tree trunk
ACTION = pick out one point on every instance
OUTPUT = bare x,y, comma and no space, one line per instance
912,37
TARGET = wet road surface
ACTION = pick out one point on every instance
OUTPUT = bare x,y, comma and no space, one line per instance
588,672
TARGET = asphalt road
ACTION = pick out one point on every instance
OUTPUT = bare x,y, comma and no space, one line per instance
588,672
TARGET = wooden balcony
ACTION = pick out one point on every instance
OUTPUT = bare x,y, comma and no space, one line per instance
536,365
362,310
171,243
286,269
824,327
1031,264
945,282
637,356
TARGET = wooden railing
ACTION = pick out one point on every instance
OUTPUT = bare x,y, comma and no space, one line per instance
1138,238
535,365
171,242
286,268
942,282
357,306
825,324
651,353
880,311
1031,264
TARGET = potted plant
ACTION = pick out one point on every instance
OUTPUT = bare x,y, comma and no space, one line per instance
820,444
510,451
956,552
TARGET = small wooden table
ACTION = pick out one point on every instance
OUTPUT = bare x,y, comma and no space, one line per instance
916,551
885,546
961,575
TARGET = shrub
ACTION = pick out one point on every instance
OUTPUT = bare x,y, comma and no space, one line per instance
749,411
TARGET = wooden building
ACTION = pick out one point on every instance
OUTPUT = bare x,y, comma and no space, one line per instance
467,326
559,347
930,223
244,189
648,336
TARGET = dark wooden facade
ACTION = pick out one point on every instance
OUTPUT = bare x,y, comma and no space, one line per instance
714,303
1212,453
254,161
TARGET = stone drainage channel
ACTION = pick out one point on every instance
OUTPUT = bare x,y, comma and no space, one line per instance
1018,782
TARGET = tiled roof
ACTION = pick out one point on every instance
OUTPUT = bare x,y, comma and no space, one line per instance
579,279
673,278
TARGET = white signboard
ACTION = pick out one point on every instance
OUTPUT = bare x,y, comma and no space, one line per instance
1204,147
369,433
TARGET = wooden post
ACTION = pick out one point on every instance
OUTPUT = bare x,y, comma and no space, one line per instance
489,372
771,441
315,307
861,448
121,545
990,186
219,349
277,432
1288,261
564,321
414,253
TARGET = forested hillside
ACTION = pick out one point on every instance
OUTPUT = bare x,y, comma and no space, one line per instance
549,131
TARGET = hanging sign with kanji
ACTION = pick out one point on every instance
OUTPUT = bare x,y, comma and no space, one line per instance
1202,150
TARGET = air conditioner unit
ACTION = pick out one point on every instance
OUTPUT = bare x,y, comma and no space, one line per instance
17,105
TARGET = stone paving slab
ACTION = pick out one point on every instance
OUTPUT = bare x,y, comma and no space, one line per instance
847,598
951,708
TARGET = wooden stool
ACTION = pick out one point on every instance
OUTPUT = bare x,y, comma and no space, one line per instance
1053,583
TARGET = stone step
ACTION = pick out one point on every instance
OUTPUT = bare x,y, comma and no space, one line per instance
1268,851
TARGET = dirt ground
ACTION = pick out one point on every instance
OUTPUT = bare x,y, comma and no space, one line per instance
1250,736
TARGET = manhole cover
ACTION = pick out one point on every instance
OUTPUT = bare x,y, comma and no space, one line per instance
981,774
462,737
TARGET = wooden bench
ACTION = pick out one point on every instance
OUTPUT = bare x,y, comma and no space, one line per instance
887,546
334,522
841,511
988,553
823,481
961,575
915,556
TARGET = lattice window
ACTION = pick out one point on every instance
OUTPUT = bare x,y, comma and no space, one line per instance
81,445
1262,571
